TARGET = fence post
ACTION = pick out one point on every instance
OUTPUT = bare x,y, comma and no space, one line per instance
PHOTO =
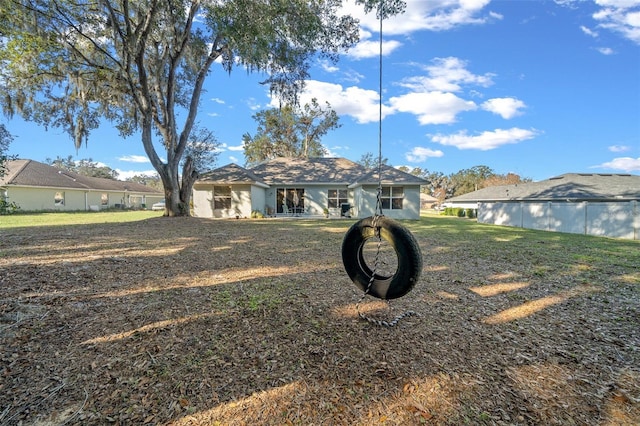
636,220
586,216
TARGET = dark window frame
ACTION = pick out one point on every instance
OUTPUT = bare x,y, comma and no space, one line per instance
222,197
392,197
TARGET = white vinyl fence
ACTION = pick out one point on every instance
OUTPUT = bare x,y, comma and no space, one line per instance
606,219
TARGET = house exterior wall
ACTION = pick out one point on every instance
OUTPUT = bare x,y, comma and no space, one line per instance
607,219
315,198
202,198
247,198
258,199
241,202
42,199
366,202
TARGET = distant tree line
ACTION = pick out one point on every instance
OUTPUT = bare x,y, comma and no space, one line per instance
443,186
84,167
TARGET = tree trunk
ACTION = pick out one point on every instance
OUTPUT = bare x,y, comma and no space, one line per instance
173,193
189,177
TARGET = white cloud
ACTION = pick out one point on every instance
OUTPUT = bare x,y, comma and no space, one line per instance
253,104
339,148
361,104
606,50
589,31
217,100
434,15
432,107
505,107
134,159
486,140
371,49
213,114
328,66
626,164
419,154
352,76
330,153
620,16
233,159
236,147
619,148
447,75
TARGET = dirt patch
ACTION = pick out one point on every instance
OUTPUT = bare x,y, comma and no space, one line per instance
200,322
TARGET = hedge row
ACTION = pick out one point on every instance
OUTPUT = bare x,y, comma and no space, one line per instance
459,212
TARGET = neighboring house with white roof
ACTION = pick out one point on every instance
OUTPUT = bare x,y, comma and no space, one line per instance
583,203
35,186
306,187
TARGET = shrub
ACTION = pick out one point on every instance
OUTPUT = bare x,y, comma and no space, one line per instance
7,207
257,214
470,213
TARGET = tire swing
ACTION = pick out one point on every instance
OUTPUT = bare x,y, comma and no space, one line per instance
379,228
409,257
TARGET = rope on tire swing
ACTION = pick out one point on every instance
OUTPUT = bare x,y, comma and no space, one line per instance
409,265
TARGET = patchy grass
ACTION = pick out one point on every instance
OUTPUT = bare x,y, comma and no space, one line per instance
184,321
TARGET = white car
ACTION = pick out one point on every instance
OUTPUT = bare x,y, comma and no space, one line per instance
160,205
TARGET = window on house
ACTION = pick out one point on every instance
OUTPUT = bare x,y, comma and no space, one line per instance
104,199
221,197
337,197
290,200
392,197
58,200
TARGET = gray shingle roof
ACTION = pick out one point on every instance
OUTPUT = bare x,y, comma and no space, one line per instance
312,170
33,173
570,186
231,173
318,170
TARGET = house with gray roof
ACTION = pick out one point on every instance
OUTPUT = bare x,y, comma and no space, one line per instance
35,186
306,188
584,203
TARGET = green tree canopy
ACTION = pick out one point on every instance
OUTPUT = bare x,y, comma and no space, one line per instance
290,132
142,64
369,161
5,140
150,181
84,167
469,180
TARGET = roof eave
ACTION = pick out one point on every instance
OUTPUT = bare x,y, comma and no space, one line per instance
226,182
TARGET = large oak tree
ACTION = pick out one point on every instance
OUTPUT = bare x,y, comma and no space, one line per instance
290,132
141,65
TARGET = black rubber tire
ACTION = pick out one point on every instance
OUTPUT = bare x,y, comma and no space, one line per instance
405,246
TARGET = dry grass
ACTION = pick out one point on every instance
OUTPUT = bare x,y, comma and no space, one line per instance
199,322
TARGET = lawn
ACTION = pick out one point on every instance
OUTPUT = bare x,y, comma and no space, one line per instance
140,319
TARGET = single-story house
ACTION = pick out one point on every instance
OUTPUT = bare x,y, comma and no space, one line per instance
35,186
309,187
428,201
582,203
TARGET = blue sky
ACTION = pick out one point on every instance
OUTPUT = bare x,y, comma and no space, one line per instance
537,88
